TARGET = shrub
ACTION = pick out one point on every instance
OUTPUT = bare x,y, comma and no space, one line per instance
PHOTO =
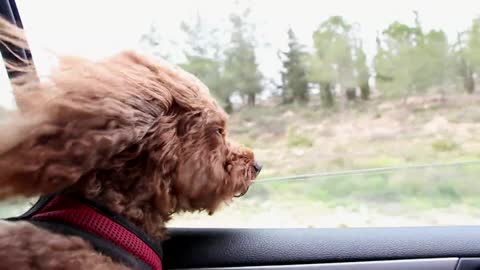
296,139
444,145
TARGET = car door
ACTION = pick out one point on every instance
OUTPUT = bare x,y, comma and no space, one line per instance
277,246
398,246
367,248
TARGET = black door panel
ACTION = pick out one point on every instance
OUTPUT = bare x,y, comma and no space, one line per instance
418,264
196,248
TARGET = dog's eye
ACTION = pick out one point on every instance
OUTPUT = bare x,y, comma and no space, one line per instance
221,131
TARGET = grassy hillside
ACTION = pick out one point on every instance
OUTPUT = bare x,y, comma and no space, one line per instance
294,140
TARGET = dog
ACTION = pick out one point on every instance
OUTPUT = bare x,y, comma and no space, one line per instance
135,138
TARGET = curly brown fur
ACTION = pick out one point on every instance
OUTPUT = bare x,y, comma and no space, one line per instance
24,246
143,138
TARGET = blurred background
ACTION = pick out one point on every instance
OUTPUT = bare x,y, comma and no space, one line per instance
363,113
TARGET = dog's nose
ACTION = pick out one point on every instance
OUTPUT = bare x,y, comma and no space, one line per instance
257,166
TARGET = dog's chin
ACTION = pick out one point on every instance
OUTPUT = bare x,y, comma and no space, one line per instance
245,188
243,192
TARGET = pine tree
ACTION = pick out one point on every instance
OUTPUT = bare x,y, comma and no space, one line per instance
204,59
241,68
295,84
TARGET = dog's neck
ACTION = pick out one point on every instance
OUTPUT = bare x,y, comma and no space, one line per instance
137,187
142,215
147,207
106,231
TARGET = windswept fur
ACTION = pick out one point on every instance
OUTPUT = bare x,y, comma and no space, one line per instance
140,137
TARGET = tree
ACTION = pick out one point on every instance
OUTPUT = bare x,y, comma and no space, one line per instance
241,68
204,58
154,43
395,61
435,52
462,64
410,60
473,45
468,55
294,79
361,69
210,71
332,60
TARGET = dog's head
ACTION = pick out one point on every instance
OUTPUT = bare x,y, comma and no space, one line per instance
189,146
210,167
144,138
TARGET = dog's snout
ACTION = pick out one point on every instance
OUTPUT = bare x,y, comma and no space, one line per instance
257,166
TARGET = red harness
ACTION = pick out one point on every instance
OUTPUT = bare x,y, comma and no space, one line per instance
71,212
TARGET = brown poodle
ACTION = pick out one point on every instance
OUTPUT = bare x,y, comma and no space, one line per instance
140,138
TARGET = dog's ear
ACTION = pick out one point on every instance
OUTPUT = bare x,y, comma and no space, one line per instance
67,139
186,121
76,123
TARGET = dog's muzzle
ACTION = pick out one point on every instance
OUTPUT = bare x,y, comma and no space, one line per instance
243,193
257,167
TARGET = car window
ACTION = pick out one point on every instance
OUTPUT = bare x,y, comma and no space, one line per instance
363,113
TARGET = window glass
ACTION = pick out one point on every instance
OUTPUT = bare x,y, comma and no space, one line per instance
363,113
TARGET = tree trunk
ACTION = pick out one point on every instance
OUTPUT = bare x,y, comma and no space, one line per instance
287,98
365,91
228,105
251,99
351,94
469,81
302,97
326,94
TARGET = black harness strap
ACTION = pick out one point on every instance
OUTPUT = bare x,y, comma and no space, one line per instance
100,244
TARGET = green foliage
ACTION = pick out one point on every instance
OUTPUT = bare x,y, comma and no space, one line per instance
338,58
427,188
326,94
382,161
210,72
154,42
332,60
241,67
473,45
361,69
409,60
201,38
297,139
225,69
444,145
203,55
294,79
467,55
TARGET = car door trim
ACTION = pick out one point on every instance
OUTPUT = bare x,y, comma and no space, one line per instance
423,264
